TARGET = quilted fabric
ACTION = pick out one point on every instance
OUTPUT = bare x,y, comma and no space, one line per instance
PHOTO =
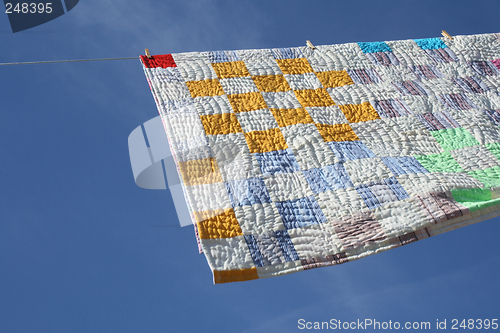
297,158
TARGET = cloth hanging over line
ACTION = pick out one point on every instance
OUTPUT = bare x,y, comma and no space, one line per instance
296,158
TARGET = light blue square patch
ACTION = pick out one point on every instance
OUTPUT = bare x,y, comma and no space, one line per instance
328,178
247,192
403,165
222,56
373,47
300,212
271,248
430,43
350,150
280,161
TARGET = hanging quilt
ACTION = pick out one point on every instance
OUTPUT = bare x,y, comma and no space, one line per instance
297,158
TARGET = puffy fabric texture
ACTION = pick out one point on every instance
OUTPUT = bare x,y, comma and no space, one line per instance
298,158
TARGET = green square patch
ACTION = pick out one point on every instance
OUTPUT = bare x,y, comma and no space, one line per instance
442,162
494,148
454,138
489,177
474,199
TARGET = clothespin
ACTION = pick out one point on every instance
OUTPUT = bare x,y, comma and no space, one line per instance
311,46
148,54
445,34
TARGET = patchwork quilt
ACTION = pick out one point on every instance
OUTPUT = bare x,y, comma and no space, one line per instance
297,158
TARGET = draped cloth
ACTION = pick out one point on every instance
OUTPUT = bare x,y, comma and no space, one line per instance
296,158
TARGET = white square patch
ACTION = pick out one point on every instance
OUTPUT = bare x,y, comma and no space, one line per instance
238,85
303,81
315,241
409,53
366,170
258,218
208,197
287,186
258,120
233,157
193,66
338,57
339,203
475,158
424,104
308,146
227,253
401,217
281,100
330,115
212,105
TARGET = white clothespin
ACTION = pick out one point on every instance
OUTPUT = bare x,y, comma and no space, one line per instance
311,46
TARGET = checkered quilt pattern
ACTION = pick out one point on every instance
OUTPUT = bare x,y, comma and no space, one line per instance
297,158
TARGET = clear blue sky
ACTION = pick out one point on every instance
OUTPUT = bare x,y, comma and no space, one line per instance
81,249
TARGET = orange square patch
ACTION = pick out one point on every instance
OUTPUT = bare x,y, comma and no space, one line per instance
294,66
198,172
314,97
225,70
332,79
356,113
265,141
271,83
205,88
221,124
235,275
287,117
247,102
339,132
224,225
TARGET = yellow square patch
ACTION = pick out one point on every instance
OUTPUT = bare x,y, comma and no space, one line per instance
265,141
356,113
271,83
221,124
224,225
225,70
332,79
205,88
314,97
201,216
235,275
198,172
247,102
339,132
294,66
287,117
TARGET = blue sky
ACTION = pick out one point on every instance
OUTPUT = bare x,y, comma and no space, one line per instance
83,249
